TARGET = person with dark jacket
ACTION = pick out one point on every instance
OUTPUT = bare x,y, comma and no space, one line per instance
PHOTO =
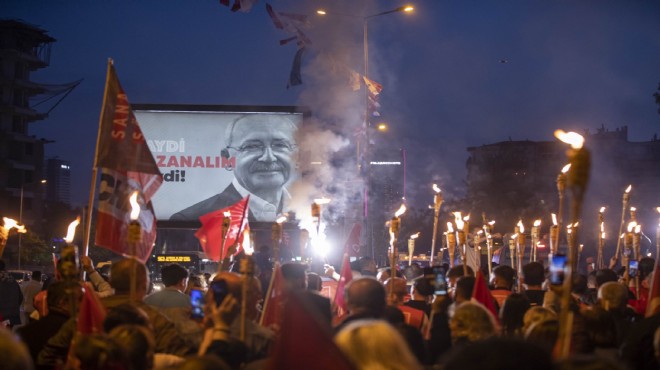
11,299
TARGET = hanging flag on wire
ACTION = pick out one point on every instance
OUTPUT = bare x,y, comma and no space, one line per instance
210,235
295,77
127,166
293,24
373,91
242,5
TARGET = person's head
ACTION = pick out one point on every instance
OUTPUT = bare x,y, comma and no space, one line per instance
646,266
15,355
498,354
454,273
605,275
464,288
543,334
579,284
413,271
174,275
263,148
98,352
471,322
368,266
600,327
36,275
537,314
396,290
511,315
422,288
138,343
295,275
533,274
613,296
125,314
502,277
58,297
375,344
385,273
120,277
235,288
314,282
365,296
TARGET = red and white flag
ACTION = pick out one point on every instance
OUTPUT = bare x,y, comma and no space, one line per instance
653,305
211,236
127,166
352,245
91,313
272,312
345,277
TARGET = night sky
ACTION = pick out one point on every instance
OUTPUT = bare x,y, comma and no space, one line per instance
454,73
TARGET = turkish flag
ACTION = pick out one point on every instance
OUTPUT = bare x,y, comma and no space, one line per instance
211,236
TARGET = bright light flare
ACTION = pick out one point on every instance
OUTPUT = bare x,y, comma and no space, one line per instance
520,226
280,219
628,189
322,201
135,206
10,223
631,226
226,214
638,229
633,209
401,211
537,223
321,12
602,209
247,243
450,227
491,223
414,236
554,219
408,8
566,168
575,140
71,230
437,189
466,218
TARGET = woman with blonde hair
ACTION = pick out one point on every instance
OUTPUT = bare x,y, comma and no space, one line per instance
375,345
471,322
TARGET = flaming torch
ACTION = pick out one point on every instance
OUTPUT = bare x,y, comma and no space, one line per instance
600,262
411,247
395,226
520,249
554,236
626,201
488,229
462,240
276,237
437,203
536,235
7,225
224,253
134,229
247,271
561,189
512,249
637,239
68,265
451,243
577,180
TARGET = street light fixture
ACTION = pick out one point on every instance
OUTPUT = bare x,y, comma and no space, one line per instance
20,218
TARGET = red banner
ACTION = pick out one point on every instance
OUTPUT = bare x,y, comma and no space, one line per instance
212,233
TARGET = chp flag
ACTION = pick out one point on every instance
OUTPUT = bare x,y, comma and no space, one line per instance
217,240
127,166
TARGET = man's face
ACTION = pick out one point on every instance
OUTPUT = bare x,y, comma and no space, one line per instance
263,151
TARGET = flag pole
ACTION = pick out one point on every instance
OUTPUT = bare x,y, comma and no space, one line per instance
95,170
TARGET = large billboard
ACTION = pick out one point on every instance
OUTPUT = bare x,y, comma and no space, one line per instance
213,156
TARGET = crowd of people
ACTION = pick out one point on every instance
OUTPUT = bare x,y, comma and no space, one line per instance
386,320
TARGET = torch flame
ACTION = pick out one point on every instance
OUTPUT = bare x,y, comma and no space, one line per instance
480,232
135,206
450,227
401,211
414,236
657,209
602,227
491,223
466,218
566,168
321,201
633,209
514,236
71,231
575,140
554,219
520,226
631,226
628,189
638,229
457,216
537,223
602,209
436,188
226,214
247,244
11,223
576,224
280,219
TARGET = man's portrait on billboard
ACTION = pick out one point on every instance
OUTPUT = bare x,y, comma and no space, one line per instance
264,150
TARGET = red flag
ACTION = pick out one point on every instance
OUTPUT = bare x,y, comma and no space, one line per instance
352,245
210,234
303,342
653,305
292,23
374,87
92,312
128,165
345,276
272,312
482,295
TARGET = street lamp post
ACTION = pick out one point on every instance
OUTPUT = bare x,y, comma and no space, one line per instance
367,124
20,220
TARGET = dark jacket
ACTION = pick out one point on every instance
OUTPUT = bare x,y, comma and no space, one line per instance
37,333
11,299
